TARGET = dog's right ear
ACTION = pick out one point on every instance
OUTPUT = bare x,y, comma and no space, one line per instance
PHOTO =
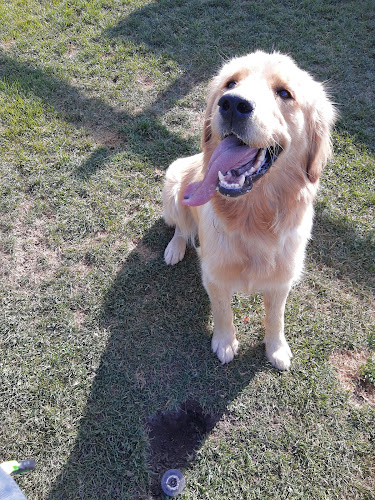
321,120
207,129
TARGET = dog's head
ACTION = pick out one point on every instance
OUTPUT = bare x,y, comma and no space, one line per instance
261,109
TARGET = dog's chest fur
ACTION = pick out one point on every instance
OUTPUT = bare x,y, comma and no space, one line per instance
252,260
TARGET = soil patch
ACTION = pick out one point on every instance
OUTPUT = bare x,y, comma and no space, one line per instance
175,437
348,366
32,257
144,252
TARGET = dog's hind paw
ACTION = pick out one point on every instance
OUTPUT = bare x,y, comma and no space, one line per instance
175,250
224,350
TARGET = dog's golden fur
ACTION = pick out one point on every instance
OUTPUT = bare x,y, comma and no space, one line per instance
255,242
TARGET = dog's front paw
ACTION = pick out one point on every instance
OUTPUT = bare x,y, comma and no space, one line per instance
175,250
279,354
225,349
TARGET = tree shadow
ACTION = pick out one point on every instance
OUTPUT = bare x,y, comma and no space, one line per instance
115,130
200,52
157,360
188,44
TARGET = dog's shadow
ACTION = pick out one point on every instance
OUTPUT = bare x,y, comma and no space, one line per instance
157,377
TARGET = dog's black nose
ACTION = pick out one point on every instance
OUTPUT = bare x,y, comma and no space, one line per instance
234,107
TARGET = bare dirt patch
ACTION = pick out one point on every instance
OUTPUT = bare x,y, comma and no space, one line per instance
348,367
32,258
79,318
145,253
7,45
110,138
145,81
175,437
71,50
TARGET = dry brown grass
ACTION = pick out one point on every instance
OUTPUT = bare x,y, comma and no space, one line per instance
348,367
32,259
145,253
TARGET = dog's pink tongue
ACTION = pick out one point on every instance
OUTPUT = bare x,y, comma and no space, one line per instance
230,153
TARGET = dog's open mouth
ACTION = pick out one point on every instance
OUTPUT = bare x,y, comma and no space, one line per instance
232,170
240,180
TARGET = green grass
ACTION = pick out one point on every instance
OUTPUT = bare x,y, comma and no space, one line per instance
368,371
97,97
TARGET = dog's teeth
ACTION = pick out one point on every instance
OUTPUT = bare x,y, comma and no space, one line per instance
221,177
241,180
261,156
233,185
258,162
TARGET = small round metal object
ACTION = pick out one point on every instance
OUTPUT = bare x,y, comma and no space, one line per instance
173,482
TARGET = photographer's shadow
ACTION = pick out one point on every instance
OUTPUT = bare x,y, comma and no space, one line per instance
156,375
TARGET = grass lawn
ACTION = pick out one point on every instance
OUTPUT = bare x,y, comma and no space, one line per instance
104,349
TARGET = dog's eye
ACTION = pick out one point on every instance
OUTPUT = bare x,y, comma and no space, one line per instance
284,94
231,84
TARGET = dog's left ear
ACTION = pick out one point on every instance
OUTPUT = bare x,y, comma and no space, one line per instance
322,118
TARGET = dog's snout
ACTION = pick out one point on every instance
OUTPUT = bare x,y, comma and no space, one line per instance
234,107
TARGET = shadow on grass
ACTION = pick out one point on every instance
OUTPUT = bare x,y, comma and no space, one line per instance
199,36
337,245
157,366
115,130
157,359
199,48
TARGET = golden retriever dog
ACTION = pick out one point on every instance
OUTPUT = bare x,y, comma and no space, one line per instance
249,195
